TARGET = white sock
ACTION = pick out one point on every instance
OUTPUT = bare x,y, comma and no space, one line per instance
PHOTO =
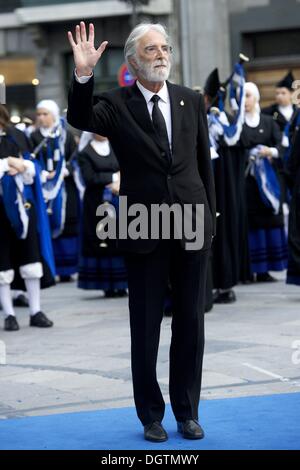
33,287
6,300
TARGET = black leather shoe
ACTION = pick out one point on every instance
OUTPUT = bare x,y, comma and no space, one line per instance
21,301
121,293
110,294
40,320
154,432
228,297
265,277
11,324
190,429
65,279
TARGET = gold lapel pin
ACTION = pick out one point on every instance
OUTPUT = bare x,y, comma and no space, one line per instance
182,103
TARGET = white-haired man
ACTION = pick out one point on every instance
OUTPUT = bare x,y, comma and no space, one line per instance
159,134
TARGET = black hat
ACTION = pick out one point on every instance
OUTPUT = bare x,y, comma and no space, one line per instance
212,84
287,81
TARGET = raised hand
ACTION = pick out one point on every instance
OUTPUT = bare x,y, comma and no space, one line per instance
85,54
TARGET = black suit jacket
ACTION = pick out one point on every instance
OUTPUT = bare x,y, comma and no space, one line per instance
273,111
146,175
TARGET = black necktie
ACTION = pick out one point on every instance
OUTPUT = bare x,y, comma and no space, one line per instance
159,124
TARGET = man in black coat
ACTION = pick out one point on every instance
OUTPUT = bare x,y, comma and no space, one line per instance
158,132
284,111
293,174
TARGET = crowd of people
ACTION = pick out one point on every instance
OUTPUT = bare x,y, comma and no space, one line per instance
254,153
52,180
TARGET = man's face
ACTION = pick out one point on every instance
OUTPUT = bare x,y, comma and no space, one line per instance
44,118
152,61
283,96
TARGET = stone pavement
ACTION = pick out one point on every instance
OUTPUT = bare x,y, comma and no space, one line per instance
83,363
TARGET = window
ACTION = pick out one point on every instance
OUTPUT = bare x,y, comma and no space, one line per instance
275,43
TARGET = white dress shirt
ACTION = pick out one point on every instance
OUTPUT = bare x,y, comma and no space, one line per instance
287,111
164,102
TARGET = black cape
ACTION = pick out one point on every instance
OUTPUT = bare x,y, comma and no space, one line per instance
97,172
231,262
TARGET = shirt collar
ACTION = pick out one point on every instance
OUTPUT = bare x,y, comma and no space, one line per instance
163,92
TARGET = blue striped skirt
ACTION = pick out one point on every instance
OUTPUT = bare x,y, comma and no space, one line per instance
66,251
104,273
268,250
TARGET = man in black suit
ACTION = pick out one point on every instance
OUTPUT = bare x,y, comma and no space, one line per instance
159,134
284,112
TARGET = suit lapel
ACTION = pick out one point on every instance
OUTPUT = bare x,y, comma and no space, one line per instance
177,108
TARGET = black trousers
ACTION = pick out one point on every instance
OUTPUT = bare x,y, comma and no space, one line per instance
147,280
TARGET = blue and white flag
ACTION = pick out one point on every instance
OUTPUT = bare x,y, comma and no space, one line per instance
266,178
218,123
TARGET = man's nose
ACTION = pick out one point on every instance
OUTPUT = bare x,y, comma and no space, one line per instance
160,52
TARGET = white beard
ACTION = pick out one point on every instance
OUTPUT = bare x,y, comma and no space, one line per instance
152,74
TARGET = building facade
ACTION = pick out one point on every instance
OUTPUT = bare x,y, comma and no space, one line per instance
214,32
35,55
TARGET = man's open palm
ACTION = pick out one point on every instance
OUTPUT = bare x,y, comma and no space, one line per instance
85,54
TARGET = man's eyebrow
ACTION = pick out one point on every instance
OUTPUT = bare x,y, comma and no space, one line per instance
155,45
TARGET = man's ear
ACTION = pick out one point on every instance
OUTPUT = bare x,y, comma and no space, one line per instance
133,63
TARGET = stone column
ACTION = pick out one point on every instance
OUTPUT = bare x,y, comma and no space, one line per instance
204,34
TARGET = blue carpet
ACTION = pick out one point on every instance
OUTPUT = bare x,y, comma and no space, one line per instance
264,422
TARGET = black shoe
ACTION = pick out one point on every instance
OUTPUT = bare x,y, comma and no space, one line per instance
251,280
190,429
40,320
208,308
154,432
21,301
110,294
65,279
121,293
265,277
11,324
228,297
